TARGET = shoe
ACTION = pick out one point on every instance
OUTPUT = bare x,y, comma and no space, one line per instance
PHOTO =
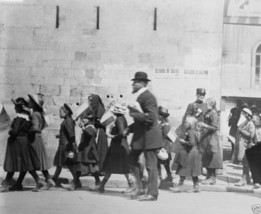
177,189
209,181
4,189
135,194
39,185
257,186
241,183
196,188
98,188
129,190
148,198
16,187
50,183
69,187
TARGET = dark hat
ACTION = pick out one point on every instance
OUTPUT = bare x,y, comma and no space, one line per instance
21,102
163,111
201,91
35,99
70,112
140,75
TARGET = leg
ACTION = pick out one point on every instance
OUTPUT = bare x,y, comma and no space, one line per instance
167,168
39,183
130,183
49,182
135,168
18,184
97,179
151,166
159,170
100,187
195,182
57,173
7,182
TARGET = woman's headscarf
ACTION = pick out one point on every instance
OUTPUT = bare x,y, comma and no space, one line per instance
96,105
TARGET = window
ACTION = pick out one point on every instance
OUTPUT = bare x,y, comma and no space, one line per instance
256,67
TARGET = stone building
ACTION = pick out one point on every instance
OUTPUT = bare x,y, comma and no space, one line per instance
69,49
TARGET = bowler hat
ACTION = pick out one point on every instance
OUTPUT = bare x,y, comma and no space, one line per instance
140,75
163,111
201,91
70,112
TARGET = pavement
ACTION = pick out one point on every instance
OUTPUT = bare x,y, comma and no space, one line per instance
226,178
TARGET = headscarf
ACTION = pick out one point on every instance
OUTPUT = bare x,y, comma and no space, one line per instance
96,105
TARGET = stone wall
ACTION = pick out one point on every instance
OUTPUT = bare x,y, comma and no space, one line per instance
70,62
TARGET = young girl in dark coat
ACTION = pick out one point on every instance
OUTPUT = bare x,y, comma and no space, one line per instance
116,161
189,158
87,158
20,156
67,144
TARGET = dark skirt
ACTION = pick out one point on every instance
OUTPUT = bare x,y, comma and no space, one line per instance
102,147
20,156
40,150
117,159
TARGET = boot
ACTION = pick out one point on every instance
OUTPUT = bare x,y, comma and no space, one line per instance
242,182
69,187
40,184
5,186
130,189
209,181
16,187
196,188
100,188
49,184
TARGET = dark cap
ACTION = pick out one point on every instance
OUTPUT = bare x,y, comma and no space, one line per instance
140,75
201,91
70,112
163,111
21,102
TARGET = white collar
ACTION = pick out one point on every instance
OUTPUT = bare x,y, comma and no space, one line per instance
139,92
23,116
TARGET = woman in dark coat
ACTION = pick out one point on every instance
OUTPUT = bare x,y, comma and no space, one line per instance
189,158
39,124
66,145
116,161
210,142
20,156
96,106
87,158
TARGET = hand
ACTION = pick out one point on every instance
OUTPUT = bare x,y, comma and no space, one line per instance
81,125
182,141
249,145
201,125
126,132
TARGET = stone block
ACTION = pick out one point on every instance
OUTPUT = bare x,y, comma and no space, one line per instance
80,56
54,90
22,15
48,80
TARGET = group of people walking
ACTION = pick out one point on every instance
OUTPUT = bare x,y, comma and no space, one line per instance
197,145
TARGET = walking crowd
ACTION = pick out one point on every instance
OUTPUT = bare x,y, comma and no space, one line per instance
197,144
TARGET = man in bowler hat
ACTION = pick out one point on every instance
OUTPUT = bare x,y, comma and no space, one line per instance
198,108
146,138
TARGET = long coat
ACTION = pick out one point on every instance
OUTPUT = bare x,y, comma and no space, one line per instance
66,138
147,133
190,161
88,157
211,137
38,144
20,156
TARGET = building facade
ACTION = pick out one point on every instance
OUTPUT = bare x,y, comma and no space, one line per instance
69,49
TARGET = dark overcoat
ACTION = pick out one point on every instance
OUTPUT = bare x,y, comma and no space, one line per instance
147,133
